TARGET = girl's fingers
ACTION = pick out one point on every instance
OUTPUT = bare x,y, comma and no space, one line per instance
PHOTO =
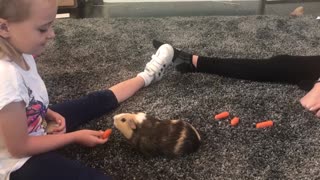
102,141
96,133
59,127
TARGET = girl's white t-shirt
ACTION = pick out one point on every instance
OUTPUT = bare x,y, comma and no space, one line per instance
17,85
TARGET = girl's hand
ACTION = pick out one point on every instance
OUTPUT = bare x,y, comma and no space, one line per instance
311,101
89,138
56,123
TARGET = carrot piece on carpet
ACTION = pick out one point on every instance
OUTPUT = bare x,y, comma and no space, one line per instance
234,121
264,124
222,115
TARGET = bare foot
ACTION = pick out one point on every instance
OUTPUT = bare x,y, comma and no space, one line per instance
298,11
311,101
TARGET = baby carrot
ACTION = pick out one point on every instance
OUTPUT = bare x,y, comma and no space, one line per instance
106,133
222,115
234,121
264,124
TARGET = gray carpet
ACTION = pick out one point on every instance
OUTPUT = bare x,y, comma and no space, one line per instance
91,54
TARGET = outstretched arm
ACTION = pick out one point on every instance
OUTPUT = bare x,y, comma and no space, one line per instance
13,129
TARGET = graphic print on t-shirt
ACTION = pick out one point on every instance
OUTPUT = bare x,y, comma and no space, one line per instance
36,112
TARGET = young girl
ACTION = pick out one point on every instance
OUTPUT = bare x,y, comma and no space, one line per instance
25,147
300,70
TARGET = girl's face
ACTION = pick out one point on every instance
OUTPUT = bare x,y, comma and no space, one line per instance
31,35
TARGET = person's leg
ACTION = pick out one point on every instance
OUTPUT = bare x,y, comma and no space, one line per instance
283,68
311,101
79,111
53,166
153,72
300,70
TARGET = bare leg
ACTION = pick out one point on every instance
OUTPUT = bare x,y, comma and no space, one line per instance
195,60
284,68
153,72
127,88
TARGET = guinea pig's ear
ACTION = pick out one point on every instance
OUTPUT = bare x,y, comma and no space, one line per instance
131,123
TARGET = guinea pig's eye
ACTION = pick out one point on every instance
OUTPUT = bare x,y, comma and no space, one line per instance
123,120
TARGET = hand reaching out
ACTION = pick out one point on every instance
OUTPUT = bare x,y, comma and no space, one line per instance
89,138
311,101
57,125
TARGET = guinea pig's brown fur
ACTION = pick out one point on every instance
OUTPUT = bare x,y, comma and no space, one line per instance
158,137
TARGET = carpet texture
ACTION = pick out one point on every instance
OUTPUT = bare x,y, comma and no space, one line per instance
91,54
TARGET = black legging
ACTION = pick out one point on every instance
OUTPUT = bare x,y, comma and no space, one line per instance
301,70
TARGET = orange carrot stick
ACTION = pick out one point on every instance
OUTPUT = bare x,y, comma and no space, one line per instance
264,124
234,121
222,115
106,133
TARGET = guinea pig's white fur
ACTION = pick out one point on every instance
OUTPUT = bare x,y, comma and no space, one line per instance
126,128
173,137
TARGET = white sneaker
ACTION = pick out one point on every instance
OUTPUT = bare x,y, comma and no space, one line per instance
155,69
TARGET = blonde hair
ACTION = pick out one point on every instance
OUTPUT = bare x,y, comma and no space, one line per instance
12,11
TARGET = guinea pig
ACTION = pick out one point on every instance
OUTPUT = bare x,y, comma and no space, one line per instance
154,137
